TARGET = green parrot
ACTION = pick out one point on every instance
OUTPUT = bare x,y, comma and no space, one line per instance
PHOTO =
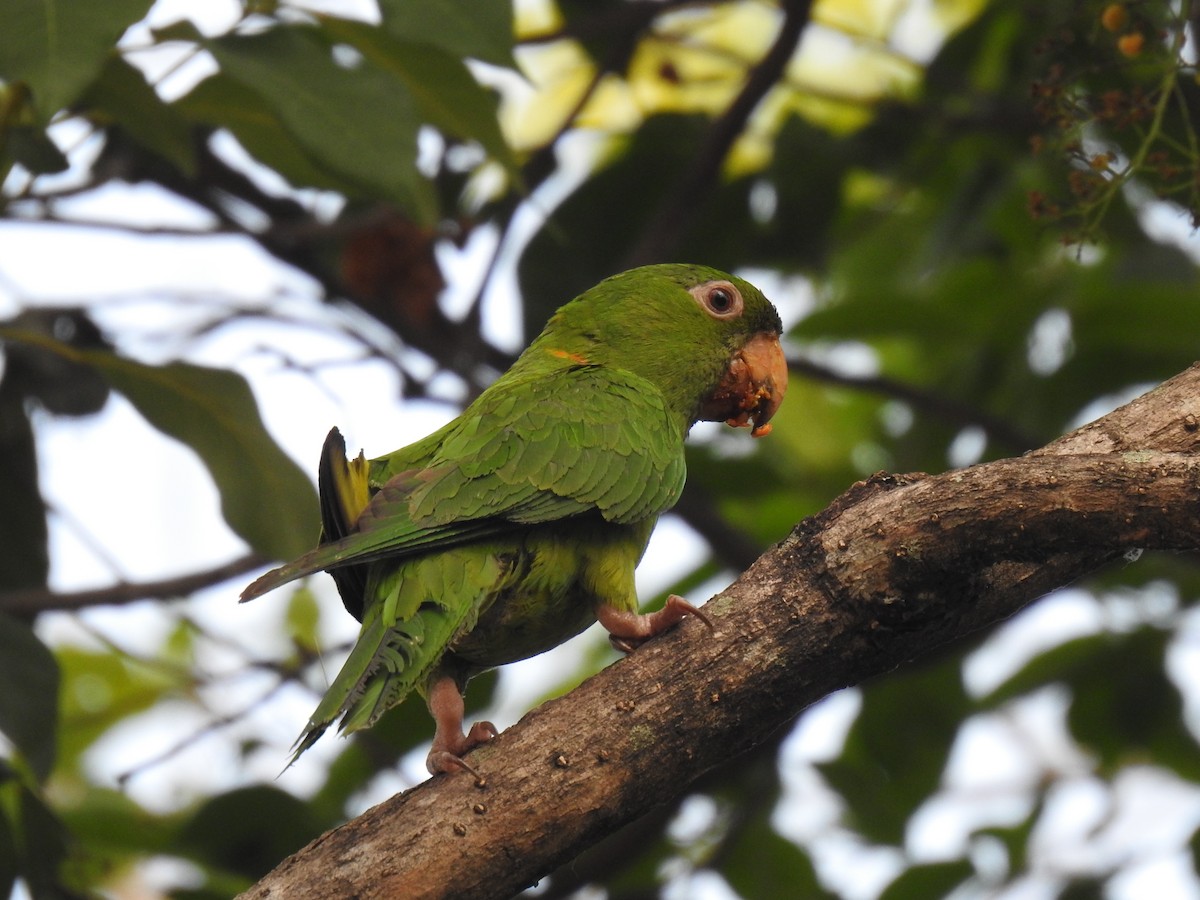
519,523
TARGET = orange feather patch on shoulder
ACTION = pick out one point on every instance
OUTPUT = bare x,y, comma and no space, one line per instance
573,357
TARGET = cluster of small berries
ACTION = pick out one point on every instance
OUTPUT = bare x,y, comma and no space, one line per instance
1110,104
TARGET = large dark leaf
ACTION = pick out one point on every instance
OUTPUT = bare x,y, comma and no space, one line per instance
58,46
28,695
446,93
481,29
359,123
929,880
8,850
120,96
24,558
897,748
224,102
248,831
44,846
30,146
265,497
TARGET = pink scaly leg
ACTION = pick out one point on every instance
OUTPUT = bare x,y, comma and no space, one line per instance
449,742
629,630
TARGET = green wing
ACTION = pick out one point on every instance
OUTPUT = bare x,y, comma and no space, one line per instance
528,451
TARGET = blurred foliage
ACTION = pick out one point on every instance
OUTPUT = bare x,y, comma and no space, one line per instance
954,204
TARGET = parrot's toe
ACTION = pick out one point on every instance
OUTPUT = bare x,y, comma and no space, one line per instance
624,644
439,761
447,751
480,733
629,630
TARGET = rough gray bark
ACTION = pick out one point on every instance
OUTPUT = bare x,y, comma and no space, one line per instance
895,567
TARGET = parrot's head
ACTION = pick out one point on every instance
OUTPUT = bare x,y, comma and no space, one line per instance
709,341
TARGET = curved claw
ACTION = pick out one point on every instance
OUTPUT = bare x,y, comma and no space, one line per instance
686,609
439,761
446,753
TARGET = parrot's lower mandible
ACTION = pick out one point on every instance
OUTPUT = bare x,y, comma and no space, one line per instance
519,523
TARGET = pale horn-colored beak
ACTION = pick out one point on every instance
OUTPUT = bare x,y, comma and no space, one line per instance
752,389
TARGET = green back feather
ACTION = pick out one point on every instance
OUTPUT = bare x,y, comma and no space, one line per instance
527,451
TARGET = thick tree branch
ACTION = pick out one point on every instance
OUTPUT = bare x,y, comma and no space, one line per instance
895,567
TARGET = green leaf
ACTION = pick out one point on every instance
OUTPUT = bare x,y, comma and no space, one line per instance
481,29
110,831
931,880
28,695
248,831
8,852
121,96
303,619
897,748
100,689
222,102
58,46
24,558
1085,888
1138,714
1122,720
762,860
44,845
265,497
360,124
447,94
30,146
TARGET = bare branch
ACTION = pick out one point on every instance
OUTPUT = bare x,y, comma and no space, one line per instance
32,601
896,567
49,218
662,235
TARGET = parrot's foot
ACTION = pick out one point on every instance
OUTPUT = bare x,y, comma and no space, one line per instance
446,753
449,742
629,630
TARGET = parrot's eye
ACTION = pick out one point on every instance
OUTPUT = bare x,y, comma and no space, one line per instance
719,299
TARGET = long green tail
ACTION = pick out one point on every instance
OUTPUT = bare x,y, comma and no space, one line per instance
428,600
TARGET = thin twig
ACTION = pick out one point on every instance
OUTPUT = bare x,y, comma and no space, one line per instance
668,225
35,600
1011,437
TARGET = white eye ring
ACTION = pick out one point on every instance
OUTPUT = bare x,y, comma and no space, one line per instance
720,299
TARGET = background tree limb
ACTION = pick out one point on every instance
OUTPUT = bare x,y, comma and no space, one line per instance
896,566
35,600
